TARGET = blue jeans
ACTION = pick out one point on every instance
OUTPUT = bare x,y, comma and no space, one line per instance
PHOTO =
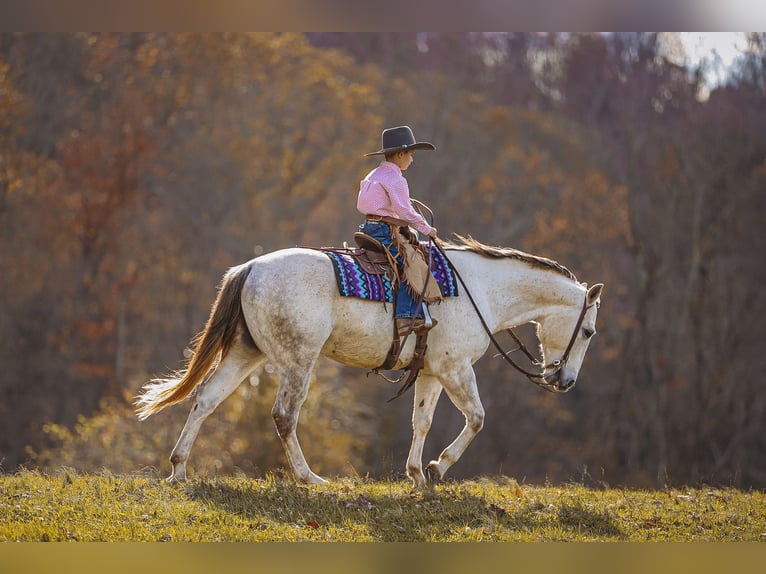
406,305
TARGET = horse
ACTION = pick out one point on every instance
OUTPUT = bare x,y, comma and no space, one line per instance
284,307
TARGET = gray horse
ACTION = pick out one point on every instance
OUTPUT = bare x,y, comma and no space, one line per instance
284,308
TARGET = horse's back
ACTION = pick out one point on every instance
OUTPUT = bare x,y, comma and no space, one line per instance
290,269
291,299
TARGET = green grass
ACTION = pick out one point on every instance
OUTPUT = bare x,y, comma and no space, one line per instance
68,506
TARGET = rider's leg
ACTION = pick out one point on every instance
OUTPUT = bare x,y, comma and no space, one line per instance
406,301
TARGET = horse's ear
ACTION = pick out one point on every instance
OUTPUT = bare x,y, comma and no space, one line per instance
594,293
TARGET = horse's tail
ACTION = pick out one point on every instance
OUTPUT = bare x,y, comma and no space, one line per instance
216,338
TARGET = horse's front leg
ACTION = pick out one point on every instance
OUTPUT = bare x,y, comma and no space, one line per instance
462,391
427,392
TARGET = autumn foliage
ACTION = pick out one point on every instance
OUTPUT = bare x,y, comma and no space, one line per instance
136,168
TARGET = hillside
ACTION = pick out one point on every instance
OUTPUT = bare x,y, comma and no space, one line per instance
103,507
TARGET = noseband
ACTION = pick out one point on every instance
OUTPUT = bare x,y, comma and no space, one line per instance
547,370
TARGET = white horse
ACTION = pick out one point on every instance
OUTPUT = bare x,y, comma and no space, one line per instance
284,308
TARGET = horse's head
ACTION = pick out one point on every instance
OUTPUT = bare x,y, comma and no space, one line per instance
564,339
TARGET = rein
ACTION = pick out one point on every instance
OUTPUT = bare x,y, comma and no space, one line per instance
536,378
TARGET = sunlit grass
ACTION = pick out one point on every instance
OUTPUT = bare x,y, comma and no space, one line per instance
102,507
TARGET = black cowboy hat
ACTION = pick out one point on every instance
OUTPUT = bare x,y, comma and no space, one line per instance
400,139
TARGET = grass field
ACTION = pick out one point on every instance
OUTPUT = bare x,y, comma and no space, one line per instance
67,506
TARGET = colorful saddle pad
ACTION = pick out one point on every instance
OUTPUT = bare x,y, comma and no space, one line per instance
353,281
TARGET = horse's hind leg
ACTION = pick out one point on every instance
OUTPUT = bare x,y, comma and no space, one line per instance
291,394
240,362
427,392
462,391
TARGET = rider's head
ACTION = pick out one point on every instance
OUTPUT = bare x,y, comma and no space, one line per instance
401,158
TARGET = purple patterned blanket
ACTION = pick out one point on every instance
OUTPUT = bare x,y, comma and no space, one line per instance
353,281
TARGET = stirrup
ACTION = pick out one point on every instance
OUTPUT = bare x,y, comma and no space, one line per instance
406,326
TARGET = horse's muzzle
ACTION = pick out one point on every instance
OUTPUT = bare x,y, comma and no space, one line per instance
564,386
553,382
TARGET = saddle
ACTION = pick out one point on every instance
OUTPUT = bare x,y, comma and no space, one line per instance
373,257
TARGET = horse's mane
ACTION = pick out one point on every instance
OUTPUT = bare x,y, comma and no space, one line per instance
470,244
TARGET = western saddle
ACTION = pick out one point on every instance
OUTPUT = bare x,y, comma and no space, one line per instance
374,258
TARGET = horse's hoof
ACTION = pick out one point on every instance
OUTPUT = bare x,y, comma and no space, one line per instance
176,477
418,482
314,480
433,472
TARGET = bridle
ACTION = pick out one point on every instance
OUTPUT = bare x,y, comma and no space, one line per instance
546,370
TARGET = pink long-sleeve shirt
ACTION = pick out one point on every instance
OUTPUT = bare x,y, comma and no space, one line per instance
384,191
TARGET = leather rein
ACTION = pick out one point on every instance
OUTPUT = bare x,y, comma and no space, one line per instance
546,370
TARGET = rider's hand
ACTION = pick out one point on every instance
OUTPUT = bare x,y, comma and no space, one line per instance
432,234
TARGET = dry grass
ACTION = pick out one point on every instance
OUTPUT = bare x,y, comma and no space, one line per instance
102,507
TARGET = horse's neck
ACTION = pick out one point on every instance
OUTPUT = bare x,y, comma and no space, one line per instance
516,292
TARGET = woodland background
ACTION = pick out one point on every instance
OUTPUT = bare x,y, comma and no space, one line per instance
136,168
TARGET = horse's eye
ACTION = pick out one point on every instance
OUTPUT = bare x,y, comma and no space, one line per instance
588,332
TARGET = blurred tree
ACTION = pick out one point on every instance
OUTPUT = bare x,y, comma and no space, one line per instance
689,167
166,171
23,320
136,167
